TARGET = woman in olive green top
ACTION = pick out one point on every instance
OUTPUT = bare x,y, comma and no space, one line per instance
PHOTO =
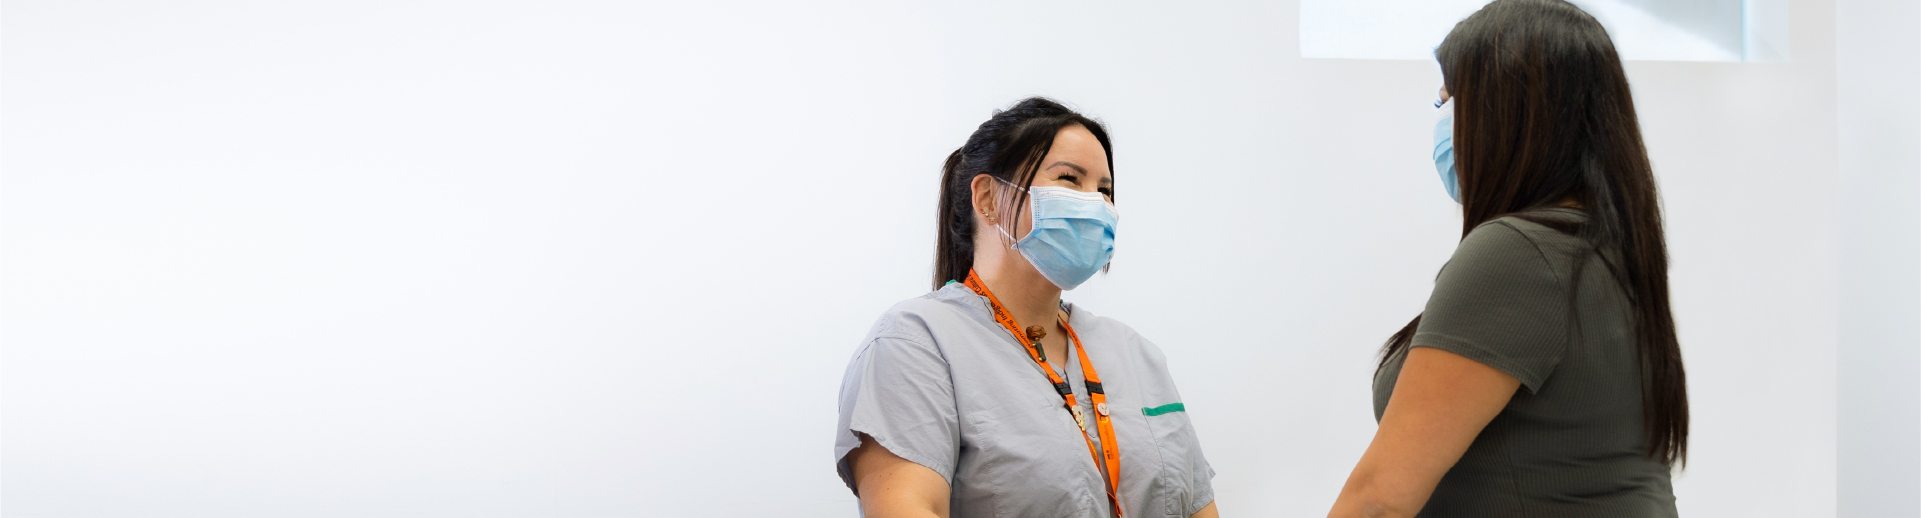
1544,378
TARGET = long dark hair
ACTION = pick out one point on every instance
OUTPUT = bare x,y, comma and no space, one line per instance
1009,146
1543,115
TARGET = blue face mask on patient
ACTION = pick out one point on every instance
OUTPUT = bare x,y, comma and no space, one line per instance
1444,150
1072,235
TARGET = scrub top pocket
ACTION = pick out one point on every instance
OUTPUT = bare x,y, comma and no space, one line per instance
1182,468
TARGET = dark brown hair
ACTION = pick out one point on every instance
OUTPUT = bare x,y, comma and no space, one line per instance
1543,114
1009,146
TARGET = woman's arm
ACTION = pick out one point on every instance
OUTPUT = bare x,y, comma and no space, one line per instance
893,487
1441,402
1206,512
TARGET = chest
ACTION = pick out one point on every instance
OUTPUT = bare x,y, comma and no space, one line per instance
1022,453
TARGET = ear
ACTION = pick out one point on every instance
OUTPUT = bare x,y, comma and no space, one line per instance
986,198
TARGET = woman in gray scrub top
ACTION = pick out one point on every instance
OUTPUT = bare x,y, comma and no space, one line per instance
1544,378
989,397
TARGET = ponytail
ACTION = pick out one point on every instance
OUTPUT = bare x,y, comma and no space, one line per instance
954,249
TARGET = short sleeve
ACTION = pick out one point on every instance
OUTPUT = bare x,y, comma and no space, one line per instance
1499,302
900,392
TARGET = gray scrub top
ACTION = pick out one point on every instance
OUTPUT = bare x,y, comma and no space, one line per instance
940,383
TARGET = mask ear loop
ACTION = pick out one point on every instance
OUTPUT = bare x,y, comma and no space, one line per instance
1007,239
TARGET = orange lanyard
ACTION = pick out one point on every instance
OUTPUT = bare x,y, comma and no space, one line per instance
1109,452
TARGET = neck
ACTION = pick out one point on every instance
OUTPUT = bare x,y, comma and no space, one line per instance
1026,295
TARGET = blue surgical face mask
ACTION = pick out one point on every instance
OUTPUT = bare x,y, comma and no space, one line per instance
1444,150
1071,236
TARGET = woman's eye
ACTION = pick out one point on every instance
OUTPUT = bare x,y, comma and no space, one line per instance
1109,193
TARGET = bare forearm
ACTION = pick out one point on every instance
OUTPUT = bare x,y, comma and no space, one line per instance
1441,402
1364,497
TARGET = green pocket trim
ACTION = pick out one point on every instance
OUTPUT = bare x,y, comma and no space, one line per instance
1164,409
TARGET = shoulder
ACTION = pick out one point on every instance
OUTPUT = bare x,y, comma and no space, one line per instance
913,318
1522,242
915,322
1505,246
1499,260
1120,337
1505,235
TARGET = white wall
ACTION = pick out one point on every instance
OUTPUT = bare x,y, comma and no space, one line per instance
1878,68
597,259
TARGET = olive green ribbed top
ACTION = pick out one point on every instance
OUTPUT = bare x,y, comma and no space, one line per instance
1570,443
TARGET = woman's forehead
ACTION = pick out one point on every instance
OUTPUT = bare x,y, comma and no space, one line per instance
1076,148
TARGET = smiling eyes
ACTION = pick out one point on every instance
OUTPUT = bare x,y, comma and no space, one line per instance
1075,178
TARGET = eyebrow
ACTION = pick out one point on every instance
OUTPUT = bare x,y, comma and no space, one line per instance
1109,180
